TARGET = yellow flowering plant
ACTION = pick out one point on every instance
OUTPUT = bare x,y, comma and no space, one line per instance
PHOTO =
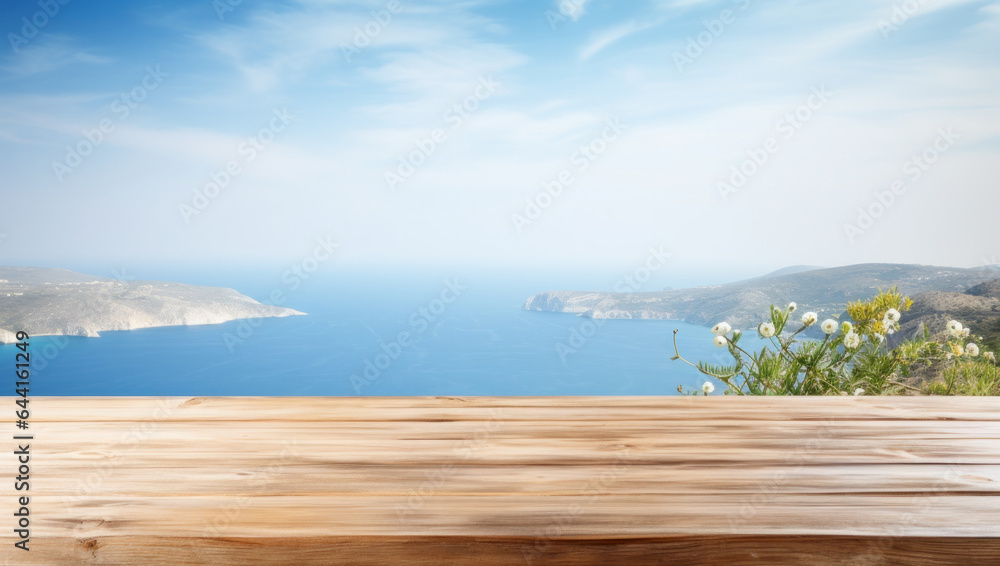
853,358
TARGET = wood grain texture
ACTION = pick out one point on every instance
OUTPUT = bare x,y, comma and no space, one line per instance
553,480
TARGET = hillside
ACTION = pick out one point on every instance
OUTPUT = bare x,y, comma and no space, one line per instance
59,302
978,308
745,304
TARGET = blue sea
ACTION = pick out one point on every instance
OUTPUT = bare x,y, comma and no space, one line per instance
380,333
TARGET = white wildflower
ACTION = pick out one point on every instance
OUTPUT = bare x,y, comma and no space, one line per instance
720,341
888,326
989,356
810,318
829,326
972,349
852,340
766,329
792,306
954,327
893,315
721,329
858,392
708,388
966,332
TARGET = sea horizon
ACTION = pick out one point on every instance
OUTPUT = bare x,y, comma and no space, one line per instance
379,333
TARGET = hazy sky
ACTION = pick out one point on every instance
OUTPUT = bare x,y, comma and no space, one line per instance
418,132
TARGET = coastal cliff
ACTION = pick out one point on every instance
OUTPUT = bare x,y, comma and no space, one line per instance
43,301
745,304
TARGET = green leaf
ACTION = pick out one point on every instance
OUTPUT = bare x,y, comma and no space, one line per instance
717,371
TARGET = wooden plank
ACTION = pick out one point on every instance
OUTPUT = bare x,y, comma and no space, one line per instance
558,480
129,478
603,511
493,551
501,443
382,409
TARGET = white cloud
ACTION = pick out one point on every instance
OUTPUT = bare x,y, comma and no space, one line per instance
674,4
327,41
609,36
48,53
442,74
655,185
991,23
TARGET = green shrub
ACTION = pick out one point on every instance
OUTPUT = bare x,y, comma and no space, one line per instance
853,358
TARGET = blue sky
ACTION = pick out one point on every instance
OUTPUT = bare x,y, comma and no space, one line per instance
313,127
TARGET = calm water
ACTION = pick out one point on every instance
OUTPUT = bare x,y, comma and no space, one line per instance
479,343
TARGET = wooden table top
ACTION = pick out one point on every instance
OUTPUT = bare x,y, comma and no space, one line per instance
511,480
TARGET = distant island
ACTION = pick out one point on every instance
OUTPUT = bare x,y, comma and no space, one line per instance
938,292
43,301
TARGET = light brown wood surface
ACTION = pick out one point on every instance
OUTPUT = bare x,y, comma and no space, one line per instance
512,480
